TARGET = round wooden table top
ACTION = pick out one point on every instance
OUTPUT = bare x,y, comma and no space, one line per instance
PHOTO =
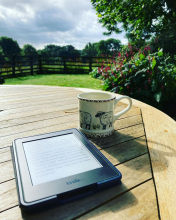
143,148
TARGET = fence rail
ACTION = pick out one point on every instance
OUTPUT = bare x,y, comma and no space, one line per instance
16,66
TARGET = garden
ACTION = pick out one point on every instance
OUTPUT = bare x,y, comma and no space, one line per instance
141,74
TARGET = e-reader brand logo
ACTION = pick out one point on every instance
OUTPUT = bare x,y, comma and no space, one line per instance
74,181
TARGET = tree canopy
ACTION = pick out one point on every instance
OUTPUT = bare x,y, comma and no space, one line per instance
90,50
28,50
142,17
9,47
108,46
102,47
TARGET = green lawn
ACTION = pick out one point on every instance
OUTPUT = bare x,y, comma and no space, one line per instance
68,80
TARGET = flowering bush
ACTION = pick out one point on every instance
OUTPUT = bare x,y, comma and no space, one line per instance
140,74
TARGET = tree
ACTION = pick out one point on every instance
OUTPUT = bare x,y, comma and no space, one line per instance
54,50
108,46
51,50
90,50
1,56
28,50
9,46
142,17
166,41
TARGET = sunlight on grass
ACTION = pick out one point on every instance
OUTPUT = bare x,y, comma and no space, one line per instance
68,80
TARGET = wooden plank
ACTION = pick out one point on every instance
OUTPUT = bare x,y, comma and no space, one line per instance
139,203
119,136
35,95
38,124
34,107
53,99
119,153
12,93
6,171
35,118
38,112
5,154
161,139
35,102
134,172
56,114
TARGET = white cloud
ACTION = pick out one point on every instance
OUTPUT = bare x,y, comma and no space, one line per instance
59,22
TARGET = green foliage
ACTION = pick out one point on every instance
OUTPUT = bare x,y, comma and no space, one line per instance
165,40
149,77
28,50
141,17
90,50
108,46
54,50
95,73
9,47
103,47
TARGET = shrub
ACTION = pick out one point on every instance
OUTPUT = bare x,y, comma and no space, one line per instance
95,73
148,77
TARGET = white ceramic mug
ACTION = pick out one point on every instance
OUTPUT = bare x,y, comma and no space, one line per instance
96,113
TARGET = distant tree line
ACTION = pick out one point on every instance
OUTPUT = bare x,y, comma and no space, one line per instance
8,47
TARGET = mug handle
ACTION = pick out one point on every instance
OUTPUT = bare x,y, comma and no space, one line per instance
116,116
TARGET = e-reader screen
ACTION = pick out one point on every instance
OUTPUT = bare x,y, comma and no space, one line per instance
58,157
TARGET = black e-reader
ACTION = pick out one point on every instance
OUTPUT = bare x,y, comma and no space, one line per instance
59,167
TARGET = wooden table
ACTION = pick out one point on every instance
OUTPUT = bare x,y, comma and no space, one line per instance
143,148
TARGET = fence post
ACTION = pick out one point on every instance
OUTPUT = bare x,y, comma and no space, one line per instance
13,65
65,66
90,64
31,59
40,65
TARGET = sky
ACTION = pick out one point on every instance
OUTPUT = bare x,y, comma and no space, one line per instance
59,22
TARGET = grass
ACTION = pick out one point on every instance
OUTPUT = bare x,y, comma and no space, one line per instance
68,80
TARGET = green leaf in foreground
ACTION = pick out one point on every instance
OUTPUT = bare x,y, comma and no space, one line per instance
158,96
153,63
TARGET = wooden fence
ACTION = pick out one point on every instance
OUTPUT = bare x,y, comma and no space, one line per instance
16,66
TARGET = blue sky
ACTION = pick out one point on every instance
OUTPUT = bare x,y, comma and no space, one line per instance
60,22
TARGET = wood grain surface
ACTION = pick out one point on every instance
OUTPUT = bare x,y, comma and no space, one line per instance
160,131
33,110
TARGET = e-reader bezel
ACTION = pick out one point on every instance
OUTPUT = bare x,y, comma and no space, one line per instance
33,193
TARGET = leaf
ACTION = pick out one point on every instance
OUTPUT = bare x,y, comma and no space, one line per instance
160,53
153,63
154,86
158,96
141,56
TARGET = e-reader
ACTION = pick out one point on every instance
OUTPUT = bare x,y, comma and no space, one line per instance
59,167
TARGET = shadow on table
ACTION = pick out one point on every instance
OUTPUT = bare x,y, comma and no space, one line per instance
84,205
120,148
